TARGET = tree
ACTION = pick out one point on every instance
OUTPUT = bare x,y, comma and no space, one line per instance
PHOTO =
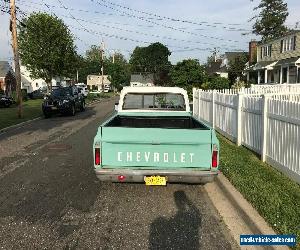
269,23
236,67
119,72
216,82
188,74
46,47
152,59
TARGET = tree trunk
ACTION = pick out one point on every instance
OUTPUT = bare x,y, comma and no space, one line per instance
49,85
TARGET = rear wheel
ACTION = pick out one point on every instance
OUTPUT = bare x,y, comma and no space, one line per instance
47,114
82,107
72,110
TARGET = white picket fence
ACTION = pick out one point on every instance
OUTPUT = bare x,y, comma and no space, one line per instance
266,122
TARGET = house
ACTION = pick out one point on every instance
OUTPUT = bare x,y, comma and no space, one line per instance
7,78
215,69
278,60
139,80
230,57
30,84
220,66
94,82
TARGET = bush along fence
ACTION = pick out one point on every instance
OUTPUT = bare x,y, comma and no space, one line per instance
264,120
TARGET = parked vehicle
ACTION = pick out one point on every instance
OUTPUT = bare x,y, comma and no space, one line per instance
106,88
5,101
83,89
38,94
154,138
65,100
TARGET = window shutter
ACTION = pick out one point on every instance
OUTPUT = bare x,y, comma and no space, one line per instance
270,50
261,52
294,45
281,46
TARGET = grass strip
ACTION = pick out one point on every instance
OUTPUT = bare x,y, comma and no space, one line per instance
274,196
31,109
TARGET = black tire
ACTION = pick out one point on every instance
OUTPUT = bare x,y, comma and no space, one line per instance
82,107
72,110
47,114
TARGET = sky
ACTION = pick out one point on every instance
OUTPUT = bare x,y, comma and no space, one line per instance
190,28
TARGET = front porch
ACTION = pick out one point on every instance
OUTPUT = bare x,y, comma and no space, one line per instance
277,72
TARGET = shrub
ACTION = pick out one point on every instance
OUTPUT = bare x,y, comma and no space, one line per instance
240,84
216,83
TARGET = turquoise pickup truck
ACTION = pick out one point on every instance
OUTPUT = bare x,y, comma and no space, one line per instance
153,138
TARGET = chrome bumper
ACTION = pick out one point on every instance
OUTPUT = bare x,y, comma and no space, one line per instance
173,175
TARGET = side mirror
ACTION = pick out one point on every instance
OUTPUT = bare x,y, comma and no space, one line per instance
116,106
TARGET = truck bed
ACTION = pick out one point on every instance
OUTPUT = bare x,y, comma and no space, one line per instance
169,122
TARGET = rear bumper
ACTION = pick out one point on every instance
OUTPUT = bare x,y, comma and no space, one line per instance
175,176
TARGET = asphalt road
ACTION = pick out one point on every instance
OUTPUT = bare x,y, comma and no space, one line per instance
51,199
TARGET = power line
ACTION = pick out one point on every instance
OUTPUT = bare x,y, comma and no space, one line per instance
93,32
158,17
202,23
130,31
101,34
145,34
163,25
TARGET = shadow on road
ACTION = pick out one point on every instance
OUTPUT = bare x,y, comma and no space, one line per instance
179,232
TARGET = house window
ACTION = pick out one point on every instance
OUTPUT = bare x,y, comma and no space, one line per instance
284,75
298,75
292,74
37,84
288,44
266,51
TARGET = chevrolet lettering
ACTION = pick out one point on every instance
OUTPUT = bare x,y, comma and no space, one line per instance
153,138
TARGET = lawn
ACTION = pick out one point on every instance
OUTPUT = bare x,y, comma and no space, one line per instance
31,110
275,197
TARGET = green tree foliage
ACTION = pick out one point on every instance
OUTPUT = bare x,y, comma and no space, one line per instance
119,72
188,74
269,23
236,67
46,47
216,83
152,59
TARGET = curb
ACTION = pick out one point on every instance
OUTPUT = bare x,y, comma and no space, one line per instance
18,125
237,213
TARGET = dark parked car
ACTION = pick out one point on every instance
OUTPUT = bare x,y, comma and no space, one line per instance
64,100
38,94
5,101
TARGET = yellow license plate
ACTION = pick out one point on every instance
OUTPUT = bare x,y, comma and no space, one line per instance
155,181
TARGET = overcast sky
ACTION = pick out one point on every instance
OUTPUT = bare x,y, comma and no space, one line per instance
211,24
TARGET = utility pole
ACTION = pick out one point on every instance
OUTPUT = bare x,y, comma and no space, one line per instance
13,22
113,56
102,48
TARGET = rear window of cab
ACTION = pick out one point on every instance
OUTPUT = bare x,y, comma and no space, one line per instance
156,101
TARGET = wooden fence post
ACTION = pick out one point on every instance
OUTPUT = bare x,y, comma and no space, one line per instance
199,103
213,109
194,100
240,97
264,126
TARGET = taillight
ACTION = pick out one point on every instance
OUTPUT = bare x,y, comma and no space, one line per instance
97,156
214,161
